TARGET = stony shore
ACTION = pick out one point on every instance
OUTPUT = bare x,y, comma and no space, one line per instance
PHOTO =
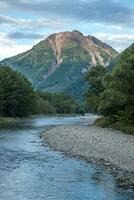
94,144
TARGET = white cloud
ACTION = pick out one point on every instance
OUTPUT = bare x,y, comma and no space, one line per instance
118,41
28,23
3,5
8,51
5,41
115,37
115,27
111,12
9,48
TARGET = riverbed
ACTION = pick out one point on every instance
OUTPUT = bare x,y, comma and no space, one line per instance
29,169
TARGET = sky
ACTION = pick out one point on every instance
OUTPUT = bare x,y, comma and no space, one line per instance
23,23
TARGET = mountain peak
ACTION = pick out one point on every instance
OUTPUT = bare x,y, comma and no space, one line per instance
77,32
66,34
55,63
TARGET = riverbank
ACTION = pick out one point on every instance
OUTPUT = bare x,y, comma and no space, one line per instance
8,120
12,120
98,145
119,125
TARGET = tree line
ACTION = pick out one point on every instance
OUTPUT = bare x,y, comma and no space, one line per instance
18,97
111,92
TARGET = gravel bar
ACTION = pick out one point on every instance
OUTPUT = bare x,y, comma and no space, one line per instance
94,143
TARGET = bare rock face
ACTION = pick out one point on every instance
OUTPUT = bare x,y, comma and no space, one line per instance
57,62
91,44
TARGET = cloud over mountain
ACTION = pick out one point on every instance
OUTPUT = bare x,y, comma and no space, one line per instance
110,12
25,21
21,35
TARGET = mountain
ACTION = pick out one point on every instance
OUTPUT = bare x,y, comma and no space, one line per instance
58,62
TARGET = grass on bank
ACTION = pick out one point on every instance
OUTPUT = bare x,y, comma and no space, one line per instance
9,120
122,126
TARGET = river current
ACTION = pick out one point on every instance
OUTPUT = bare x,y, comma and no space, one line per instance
30,170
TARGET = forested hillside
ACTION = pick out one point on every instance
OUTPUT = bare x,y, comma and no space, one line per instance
18,97
111,93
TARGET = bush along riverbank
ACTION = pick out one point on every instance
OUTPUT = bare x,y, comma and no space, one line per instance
111,93
119,125
101,146
9,120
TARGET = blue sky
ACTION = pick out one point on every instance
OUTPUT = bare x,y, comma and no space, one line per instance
23,23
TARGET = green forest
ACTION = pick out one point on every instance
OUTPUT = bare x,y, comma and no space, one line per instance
111,93
18,98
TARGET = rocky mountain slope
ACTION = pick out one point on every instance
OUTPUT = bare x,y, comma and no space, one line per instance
57,62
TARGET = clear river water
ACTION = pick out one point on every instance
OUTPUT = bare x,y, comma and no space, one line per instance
32,171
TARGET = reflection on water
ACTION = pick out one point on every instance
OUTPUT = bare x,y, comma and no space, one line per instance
30,171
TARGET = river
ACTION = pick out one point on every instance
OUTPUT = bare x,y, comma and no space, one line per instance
32,171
